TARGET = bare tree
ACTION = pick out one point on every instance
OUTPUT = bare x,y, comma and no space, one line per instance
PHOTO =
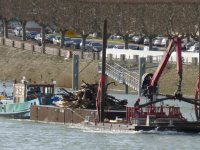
7,10
23,12
40,13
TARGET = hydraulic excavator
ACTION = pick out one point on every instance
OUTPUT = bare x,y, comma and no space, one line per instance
150,81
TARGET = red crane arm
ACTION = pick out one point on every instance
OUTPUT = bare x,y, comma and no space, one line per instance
174,44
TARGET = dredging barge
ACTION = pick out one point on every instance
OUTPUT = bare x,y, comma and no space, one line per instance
144,117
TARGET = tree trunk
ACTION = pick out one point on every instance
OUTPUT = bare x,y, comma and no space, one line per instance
62,37
43,39
84,36
150,43
23,30
108,35
126,41
5,29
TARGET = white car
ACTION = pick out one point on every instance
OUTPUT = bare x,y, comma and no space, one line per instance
38,37
163,42
193,49
154,48
18,31
56,40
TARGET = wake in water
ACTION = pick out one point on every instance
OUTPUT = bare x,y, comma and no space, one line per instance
118,131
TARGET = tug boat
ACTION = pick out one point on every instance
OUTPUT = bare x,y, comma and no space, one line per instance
25,94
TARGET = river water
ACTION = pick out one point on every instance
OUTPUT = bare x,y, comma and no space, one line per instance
31,135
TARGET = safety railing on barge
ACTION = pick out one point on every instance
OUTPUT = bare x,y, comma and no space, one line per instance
160,112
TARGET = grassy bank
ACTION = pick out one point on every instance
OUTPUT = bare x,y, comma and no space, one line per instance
16,63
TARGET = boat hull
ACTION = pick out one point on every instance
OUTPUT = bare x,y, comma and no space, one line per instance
16,115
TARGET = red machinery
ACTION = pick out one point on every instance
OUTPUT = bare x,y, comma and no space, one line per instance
197,108
159,112
150,81
150,87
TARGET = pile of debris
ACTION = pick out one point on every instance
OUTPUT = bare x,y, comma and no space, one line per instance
85,98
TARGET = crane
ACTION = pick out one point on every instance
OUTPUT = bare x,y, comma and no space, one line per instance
150,81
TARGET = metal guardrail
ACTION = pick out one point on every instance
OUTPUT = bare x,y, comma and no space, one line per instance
121,75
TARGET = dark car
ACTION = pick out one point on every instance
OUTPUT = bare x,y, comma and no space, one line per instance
133,47
110,45
50,37
95,47
31,35
86,44
75,43
47,31
118,47
139,40
67,41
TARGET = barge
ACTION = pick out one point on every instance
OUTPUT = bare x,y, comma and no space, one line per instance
144,117
24,95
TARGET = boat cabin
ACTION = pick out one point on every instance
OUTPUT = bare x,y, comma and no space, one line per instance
28,91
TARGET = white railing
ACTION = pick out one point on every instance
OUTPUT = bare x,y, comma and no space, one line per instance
121,75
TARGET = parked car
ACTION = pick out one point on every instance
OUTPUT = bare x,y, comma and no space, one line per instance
75,43
196,44
18,31
141,48
183,47
118,37
146,41
154,48
139,40
31,35
130,36
38,38
118,47
47,31
50,37
56,40
193,49
86,44
153,40
55,32
135,36
158,41
67,41
191,43
95,47
110,45
133,47
163,42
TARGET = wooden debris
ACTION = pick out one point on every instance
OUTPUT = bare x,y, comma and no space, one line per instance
85,98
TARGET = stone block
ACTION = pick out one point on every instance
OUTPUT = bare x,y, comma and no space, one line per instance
194,61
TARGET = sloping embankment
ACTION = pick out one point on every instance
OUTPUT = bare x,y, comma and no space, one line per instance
15,63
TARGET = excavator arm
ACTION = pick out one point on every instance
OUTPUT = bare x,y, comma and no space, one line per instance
151,87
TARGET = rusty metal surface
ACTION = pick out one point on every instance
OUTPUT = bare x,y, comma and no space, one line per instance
64,115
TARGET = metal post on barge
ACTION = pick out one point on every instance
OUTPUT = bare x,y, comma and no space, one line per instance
103,76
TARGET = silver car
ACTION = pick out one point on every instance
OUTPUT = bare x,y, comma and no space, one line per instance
158,42
146,41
